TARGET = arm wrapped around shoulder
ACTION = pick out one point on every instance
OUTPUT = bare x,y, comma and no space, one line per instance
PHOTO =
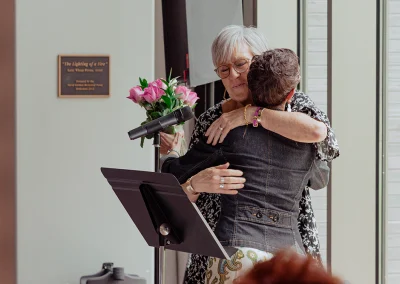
201,156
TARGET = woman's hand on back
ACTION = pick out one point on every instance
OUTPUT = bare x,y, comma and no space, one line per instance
220,128
218,179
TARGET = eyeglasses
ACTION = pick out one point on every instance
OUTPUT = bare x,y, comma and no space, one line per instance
240,66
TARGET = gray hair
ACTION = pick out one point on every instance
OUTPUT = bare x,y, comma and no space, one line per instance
230,37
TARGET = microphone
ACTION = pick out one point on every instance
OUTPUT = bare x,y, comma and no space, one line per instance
175,117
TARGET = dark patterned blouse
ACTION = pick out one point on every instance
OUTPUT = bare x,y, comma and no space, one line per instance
209,204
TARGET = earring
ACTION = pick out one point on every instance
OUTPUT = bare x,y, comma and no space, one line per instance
224,95
288,107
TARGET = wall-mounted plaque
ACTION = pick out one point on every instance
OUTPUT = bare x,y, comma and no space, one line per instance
84,76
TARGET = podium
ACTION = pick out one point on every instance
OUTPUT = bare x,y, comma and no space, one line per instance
163,214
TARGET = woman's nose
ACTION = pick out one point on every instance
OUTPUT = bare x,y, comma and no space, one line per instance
233,73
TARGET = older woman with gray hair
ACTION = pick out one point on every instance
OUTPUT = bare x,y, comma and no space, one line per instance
232,52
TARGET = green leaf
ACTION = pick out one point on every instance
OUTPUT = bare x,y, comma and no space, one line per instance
168,91
179,103
170,73
142,141
167,101
155,114
165,82
143,83
169,130
173,102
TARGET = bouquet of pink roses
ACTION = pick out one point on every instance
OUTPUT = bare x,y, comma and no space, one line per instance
160,98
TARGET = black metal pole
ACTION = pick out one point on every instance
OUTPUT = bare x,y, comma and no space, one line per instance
158,252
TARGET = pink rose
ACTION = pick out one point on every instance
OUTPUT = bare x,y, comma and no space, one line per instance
182,92
186,95
136,94
159,84
152,93
191,99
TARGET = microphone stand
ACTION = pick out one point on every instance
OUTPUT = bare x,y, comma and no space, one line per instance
159,253
183,114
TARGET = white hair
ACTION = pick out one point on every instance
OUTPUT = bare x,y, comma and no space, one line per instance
228,40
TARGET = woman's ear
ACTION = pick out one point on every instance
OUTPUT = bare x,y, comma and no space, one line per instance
290,95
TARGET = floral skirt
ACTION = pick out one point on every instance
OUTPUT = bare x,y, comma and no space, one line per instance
223,271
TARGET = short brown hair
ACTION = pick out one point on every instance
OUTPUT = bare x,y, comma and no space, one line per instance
288,267
272,75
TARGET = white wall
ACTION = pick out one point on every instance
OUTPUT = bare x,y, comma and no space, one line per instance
278,21
353,182
393,144
69,220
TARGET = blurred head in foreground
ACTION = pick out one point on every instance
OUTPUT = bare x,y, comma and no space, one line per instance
288,267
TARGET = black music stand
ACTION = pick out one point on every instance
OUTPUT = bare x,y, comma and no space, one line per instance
163,214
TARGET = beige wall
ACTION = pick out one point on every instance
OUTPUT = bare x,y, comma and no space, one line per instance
69,220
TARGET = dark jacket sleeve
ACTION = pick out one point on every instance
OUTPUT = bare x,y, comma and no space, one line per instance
319,175
201,156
